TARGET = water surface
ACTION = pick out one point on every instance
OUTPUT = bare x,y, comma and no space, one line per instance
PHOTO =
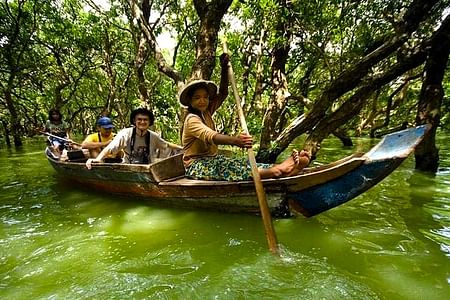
58,241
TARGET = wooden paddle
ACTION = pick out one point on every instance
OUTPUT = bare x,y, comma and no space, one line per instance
60,138
260,193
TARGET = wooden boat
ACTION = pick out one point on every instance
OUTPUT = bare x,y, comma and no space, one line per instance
315,190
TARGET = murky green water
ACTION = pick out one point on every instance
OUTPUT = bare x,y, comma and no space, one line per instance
60,242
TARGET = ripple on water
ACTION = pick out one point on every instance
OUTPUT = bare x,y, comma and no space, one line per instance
60,243
291,275
13,184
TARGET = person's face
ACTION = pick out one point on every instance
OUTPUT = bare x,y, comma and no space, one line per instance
55,116
200,99
105,131
142,122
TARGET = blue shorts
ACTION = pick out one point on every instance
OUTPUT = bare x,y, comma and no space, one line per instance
220,167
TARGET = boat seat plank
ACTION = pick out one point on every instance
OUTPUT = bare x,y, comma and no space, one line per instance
169,167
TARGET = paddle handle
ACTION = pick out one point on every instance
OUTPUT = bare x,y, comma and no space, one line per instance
58,137
260,193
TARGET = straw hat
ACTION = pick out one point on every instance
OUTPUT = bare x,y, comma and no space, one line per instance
183,96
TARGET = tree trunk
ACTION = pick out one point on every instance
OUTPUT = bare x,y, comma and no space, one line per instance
63,79
142,45
343,136
259,75
431,94
110,73
142,20
402,94
15,124
350,79
5,128
371,114
278,97
211,14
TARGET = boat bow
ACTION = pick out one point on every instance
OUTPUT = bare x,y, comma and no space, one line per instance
380,161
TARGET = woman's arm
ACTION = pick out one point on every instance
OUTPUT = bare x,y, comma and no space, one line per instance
223,87
218,99
242,140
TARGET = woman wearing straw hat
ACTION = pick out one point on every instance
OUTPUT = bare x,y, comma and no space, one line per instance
200,139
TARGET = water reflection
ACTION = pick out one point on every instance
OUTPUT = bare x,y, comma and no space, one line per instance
430,194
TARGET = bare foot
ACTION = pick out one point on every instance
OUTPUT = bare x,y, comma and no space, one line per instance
303,159
295,155
289,165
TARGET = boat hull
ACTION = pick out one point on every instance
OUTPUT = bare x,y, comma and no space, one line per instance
314,191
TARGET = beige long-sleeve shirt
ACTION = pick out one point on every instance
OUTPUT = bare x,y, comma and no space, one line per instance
197,135
197,139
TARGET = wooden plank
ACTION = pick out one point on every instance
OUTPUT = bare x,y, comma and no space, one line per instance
169,167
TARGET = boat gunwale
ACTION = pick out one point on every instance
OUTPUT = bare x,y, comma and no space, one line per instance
310,171
350,162
345,165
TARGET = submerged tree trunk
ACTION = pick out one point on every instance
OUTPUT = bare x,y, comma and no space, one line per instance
5,128
15,124
343,137
431,94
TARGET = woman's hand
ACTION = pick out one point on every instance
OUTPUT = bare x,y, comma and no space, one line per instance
244,140
224,60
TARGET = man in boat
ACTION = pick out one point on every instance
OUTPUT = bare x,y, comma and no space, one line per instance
139,143
95,142
200,138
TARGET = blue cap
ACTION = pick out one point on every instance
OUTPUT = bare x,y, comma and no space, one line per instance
105,122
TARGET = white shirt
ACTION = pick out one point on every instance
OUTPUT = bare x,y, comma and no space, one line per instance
122,141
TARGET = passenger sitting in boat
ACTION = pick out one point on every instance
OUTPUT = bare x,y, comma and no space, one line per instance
58,128
95,142
139,144
200,139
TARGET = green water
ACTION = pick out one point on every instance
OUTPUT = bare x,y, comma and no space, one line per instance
60,242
